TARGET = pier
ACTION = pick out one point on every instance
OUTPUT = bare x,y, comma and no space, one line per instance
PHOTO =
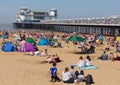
27,19
105,29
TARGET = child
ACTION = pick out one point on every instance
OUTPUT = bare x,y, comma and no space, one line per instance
53,72
46,51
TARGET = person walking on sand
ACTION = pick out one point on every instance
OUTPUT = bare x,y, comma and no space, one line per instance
53,72
23,46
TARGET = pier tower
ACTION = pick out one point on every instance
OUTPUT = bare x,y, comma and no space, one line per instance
53,14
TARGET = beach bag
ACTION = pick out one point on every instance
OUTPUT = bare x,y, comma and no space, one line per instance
89,79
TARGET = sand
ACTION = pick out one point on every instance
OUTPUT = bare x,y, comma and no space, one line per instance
19,69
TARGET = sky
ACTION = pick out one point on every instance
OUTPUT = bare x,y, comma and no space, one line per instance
67,9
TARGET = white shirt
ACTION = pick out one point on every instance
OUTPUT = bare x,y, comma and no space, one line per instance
66,76
81,63
80,76
88,63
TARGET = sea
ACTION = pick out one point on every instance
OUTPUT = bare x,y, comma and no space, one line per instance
10,27
6,26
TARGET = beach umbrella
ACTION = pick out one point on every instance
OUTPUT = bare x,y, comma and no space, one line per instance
76,39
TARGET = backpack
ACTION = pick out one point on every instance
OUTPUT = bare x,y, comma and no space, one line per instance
89,79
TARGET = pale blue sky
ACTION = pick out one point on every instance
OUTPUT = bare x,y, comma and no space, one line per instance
66,8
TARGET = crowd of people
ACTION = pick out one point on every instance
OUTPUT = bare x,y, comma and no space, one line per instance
69,75
111,56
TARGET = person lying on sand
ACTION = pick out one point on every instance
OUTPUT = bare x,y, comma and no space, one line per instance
51,59
36,53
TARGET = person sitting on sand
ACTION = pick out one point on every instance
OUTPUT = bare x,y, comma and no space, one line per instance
53,72
74,72
104,56
88,61
85,65
81,77
57,59
117,58
107,47
67,77
49,59
53,59
81,62
117,47
111,57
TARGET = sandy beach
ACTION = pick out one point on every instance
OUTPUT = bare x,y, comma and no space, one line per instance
20,69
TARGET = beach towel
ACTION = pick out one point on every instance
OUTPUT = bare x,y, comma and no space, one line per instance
89,67
85,67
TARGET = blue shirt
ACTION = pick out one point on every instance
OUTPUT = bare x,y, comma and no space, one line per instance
53,71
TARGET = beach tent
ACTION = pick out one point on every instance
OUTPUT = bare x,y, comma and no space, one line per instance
29,47
52,40
43,42
8,47
4,36
30,40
